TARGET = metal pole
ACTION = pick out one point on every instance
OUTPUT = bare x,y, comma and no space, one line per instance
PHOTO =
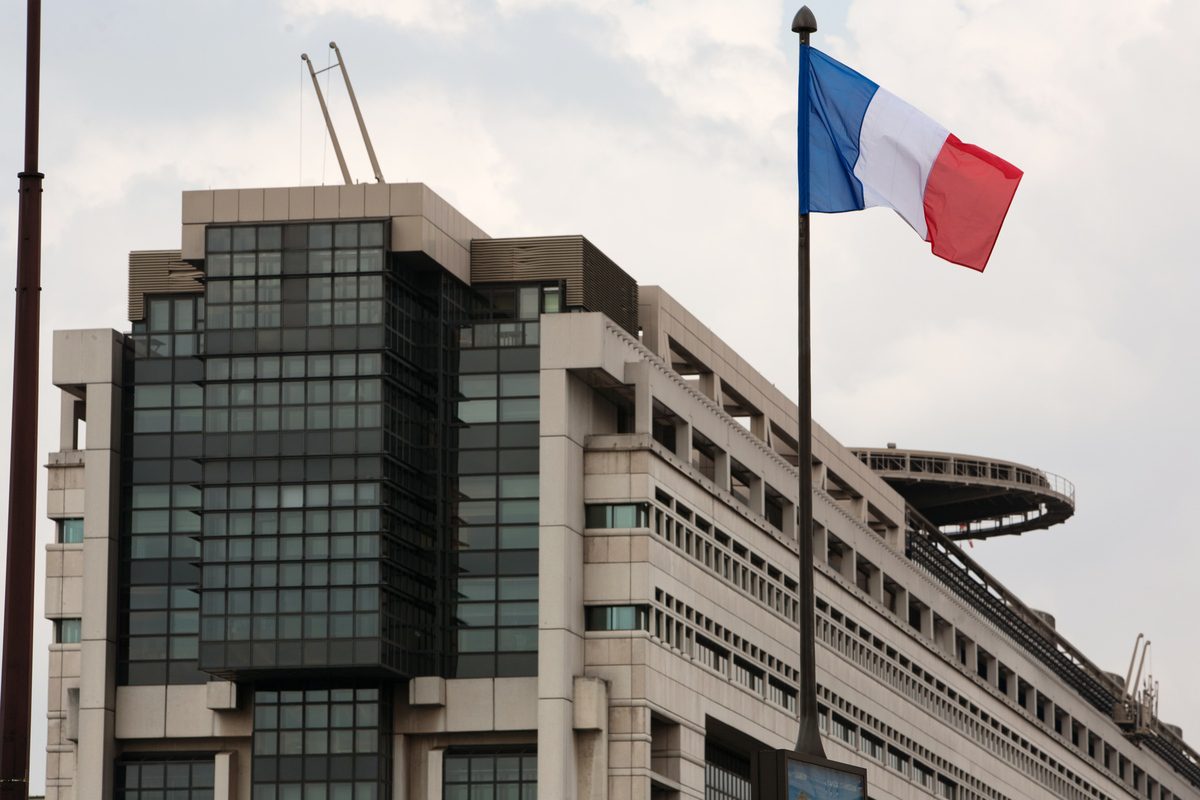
362,126
337,148
15,686
808,741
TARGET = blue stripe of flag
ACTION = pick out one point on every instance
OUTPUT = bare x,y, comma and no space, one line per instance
838,97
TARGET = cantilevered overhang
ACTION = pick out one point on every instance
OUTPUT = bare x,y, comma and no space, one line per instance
973,497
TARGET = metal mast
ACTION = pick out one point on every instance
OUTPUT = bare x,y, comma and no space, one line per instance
15,685
808,742
337,148
362,126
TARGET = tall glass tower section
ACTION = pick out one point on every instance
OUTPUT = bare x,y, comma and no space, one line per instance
306,563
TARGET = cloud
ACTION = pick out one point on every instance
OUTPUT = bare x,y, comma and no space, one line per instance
438,16
713,59
1073,351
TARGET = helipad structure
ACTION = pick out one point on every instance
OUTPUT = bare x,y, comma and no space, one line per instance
971,497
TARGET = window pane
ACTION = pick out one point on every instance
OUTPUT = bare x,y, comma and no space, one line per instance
70,531
184,315
320,235
243,239
519,384
68,631
160,315
470,411
527,302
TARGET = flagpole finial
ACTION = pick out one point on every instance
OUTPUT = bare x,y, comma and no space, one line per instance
804,22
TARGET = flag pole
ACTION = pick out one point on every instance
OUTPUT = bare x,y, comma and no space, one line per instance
808,741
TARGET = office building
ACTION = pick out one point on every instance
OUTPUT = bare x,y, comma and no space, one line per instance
368,505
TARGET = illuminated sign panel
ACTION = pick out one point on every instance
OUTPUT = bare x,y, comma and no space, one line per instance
807,781
784,775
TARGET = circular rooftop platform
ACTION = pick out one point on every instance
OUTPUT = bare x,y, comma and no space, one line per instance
971,497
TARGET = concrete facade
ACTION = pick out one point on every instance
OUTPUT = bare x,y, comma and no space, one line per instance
917,683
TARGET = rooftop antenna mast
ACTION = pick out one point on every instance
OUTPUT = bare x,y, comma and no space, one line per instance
362,126
337,148
1136,712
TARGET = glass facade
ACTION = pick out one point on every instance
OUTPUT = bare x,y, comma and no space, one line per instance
157,779
726,774
296,501
160,524
330,475
370,489
510,774
495,514
322,744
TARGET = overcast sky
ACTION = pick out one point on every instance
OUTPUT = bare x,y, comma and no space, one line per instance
664,130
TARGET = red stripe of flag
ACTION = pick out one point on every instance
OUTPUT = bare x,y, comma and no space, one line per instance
966,199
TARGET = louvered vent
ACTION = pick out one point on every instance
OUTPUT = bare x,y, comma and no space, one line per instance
594,282
159,272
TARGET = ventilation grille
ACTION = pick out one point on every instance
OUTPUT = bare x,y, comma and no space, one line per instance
159,272
594,282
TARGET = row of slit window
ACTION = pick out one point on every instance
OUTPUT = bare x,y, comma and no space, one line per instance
1006,679
873,747
938,692
712,547
705,649
607,516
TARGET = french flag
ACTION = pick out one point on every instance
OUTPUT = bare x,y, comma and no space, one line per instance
867,147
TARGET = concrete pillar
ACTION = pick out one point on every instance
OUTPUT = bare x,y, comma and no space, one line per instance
653,336
1031,701
1013,681
70,412
927,622
400,772
591,738
944,636
433,774
819,477
820,544
992,667
683,440
97,686
560,579
638,373
721,470
849,568
758,497
789,520
629,763
857,506
710,385
691,762
225,776
972,653
901,609
875,584
760,428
